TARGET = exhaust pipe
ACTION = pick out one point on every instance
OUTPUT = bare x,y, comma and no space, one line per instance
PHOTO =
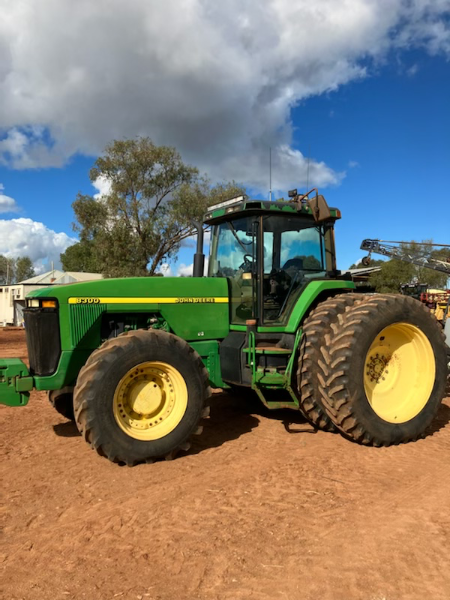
199,257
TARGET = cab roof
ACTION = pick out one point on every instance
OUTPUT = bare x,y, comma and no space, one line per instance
217,214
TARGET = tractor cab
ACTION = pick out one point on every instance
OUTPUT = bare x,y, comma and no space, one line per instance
269,252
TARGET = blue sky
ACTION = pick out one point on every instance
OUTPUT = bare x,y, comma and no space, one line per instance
373,116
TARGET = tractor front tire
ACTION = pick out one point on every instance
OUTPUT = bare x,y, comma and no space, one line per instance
315,327
141,396
62,402
385,370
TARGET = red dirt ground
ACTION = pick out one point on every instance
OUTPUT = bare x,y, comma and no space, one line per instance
260,509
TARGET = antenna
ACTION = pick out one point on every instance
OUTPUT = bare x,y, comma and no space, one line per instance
307,169
270,173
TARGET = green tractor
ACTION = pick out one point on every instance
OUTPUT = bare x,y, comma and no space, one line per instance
132,361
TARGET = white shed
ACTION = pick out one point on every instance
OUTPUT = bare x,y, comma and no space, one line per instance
12,297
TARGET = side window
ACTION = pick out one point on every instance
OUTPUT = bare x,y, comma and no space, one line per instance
302,250
233,253
293,254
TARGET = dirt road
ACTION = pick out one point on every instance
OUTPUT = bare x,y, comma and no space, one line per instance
260,509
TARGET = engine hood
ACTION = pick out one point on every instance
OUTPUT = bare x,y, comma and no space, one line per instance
155,290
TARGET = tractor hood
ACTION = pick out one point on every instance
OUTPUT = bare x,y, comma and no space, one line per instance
145,290
192,307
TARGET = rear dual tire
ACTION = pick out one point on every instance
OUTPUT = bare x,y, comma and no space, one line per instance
383,370
309,373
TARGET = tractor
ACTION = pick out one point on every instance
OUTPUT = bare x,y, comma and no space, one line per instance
133,360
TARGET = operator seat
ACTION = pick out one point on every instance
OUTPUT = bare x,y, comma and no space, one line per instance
293,266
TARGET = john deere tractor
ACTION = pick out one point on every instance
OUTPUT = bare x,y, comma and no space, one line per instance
132,361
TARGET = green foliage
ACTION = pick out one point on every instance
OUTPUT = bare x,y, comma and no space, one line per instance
149,211
373,263
310,263
15,270
24,268
395,272
80,257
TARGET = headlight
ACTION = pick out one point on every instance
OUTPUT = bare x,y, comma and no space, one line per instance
44,303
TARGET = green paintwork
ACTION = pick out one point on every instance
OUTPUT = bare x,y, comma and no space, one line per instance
187,320
262,205
209,352
195,309
308,296
80,323
263,381
15,382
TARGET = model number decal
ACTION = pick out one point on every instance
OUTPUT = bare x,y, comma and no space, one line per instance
87,300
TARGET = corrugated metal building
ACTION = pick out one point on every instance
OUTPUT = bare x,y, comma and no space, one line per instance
12,297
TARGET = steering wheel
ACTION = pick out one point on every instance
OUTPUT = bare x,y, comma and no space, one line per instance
248,262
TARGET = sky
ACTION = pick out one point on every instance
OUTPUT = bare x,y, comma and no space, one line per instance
352,97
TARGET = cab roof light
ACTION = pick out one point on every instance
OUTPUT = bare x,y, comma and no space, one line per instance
226,203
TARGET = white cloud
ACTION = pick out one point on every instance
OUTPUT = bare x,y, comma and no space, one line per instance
412,70
187,270
24,237
7,204
103,187
216,79
165,269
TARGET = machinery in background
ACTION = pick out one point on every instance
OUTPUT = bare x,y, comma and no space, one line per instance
436,300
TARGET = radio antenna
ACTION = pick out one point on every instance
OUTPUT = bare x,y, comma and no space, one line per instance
307,169
270,173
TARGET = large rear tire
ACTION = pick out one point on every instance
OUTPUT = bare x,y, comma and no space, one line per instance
141,396
385,370
312,345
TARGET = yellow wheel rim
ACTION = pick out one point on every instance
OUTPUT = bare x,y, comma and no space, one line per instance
150,401
399,373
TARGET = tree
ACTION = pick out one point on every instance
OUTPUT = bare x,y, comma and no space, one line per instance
395,272
6,270
15,270
80,257
373,263
23,269
150,209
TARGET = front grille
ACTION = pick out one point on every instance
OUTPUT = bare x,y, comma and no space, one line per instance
43,341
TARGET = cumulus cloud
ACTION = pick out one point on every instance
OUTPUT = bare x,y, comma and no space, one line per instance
187,270
215,79
103,186
25,237
7,204
166,270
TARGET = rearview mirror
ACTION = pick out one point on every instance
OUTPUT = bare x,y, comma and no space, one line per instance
319,208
